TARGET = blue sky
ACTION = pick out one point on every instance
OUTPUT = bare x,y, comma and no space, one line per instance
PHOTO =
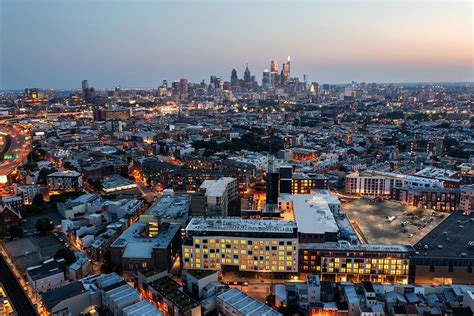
56,44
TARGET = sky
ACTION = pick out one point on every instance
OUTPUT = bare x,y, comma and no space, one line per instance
138,43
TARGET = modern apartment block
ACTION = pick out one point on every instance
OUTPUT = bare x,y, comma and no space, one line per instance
246,245
64,181
341,262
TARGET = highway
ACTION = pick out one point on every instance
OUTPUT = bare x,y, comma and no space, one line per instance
17,296
16,145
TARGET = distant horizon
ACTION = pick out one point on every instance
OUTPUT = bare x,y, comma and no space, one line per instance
456,83
56,44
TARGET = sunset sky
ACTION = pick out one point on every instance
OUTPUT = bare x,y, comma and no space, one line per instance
56,44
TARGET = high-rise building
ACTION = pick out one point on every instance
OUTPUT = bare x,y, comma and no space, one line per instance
184,87
86,90
274,73
266,79
85,85
247,75
285,71
233,76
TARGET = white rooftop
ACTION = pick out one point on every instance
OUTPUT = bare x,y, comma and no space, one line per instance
216,187
312,213
237,224
143,308
245,304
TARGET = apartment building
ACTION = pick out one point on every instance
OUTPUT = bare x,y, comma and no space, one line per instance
246,245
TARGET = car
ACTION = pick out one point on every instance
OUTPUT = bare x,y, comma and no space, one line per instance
410,236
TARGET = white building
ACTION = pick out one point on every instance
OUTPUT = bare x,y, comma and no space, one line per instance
218,195
119,298
381,183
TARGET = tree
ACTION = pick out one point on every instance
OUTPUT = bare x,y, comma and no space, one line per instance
38,200
44,225
66,254
15,231
43,174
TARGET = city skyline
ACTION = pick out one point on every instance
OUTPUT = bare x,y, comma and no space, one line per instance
137,45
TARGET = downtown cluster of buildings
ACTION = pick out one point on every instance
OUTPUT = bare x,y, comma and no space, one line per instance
180,200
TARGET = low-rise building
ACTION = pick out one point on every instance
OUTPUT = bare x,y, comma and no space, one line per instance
236,302
170,299
147,244
62,181
46,276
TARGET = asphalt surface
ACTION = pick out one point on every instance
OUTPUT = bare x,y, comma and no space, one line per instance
18,298
17,145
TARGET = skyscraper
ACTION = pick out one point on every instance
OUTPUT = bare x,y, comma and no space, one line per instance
274,73
266,79
247,75
86,90
85,85
285,71
233,76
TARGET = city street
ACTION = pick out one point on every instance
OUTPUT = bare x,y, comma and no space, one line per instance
18,297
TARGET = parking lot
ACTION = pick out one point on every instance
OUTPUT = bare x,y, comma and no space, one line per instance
389,222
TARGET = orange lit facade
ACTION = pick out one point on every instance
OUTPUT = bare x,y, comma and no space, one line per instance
374,263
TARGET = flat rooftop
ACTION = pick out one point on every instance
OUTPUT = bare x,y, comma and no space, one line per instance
345,246
216,187
438,173
138,245
142,308
312,213
245,304
453,237
172,207
237,224
170,290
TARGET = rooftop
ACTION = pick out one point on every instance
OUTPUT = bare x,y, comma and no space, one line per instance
245,304
65,174
170,290
344,245
171,206
216,187
312,213
453,237
52,297
143,308
236,224
138,245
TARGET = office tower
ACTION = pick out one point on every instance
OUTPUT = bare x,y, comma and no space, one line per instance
247,76
274,73
85,90
266,79
85,85
184,87
314,88
285,71
286,175
176,86
233,76
326,89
